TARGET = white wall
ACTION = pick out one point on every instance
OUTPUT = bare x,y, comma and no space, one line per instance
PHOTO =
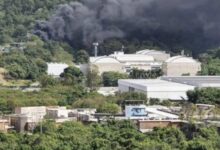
55,69
172,91
172,95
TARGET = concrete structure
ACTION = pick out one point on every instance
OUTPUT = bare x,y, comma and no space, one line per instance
22,123
55,69
160,113
156,88
197,81
180,65
158,55
26,118
4,125
57,112
148,113
38,111
84,114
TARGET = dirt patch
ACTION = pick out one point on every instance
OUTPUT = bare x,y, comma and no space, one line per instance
2,72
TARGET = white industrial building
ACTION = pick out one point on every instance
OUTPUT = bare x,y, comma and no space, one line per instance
181,65
123,63
156,88
56,69
146,60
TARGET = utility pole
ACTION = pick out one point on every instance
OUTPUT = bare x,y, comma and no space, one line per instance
41,127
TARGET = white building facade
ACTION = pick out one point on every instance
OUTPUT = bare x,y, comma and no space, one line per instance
156,88
181,65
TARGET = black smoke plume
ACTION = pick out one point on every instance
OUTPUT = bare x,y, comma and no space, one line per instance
193,24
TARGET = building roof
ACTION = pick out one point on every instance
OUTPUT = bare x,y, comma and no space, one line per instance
103,59
122,58
155,85
198,81
154,110
181,59
133,58
148,52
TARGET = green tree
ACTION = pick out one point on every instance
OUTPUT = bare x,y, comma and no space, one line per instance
109,108
93,78
46,81
72,75
143,74
111,78
16,71
154,101
204,95
82,57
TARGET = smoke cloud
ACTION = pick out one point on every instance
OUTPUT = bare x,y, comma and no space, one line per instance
193,23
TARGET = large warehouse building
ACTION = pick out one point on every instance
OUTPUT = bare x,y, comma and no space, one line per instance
180,65
146,60
156,88
123,63
173,88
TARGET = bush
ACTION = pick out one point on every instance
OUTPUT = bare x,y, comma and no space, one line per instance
111,78
46,81
109,108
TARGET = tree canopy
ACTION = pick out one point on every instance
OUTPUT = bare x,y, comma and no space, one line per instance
111,78
118,135
204,96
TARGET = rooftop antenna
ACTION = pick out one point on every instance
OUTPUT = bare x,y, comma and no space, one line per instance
96,48
182,53
122,48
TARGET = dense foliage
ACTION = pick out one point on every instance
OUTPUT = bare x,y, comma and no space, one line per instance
111,78
17,18
29,62
204,96
94,80
210,62
143,74
72,75
82,57
49,96
120,135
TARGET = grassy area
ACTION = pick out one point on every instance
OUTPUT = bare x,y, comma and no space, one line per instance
17,83
51,96
63,56
5,82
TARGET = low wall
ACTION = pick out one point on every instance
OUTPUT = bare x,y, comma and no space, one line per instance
150,124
